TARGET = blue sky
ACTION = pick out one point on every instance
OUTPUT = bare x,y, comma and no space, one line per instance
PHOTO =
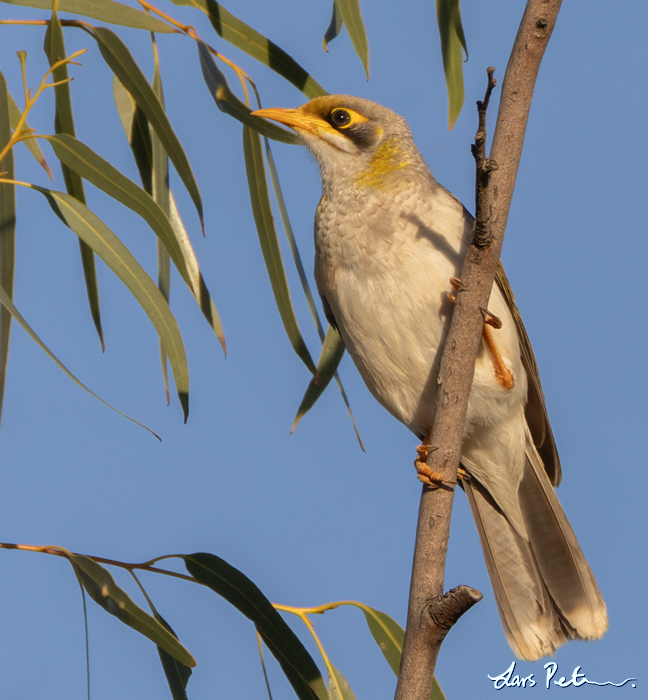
309,517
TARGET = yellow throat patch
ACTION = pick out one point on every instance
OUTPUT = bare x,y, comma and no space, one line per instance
388,157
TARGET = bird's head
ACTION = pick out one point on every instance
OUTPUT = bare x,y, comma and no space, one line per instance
353,138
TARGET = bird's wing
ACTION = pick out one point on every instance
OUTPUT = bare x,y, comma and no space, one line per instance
535,409
328,312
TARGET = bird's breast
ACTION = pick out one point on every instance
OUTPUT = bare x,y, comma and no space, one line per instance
384,268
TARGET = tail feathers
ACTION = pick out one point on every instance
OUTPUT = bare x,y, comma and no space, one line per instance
560,560
545,591
532,624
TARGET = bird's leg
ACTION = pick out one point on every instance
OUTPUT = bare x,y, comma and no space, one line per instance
424,473
502,373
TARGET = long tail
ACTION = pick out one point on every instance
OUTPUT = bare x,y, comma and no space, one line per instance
545,590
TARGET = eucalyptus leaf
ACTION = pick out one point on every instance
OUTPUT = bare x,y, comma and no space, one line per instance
103,10
352,18
7,232
334,28
177,673
329,361
119,259
229,103
54,46
235,587
101,587
123,65
453,45
247,39
260,201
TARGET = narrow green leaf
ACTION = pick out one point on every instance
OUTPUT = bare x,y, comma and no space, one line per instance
137,132
8,304
7,232
160,185
352,17
164,285
245,596
229,103
177,673
139,135
82,160
103,590
339,687
241,35
123,65
389,636
453,44
329,360
387,633
31,144
103,10
334,28
54,47
201,292
119,259
260,201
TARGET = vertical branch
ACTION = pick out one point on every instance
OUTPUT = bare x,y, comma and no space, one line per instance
430,613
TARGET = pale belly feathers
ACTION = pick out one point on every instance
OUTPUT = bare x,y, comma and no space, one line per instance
386,281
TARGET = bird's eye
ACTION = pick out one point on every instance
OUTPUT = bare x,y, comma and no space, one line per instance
340,117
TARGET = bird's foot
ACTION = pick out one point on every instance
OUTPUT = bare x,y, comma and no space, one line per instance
490,319
457,284
425,474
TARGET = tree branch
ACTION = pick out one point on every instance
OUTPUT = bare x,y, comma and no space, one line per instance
496,181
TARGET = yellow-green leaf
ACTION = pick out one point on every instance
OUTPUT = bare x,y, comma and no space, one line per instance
123,65
103,590
453,45
389,637
103,10
119,259
260,201
177,673
160,191
229,103
7,233
339,688
139,136
352,18
81,159
329,360
238,590
256,45
54,46
334,28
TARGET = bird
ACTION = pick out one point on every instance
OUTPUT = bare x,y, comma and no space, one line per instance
388,241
